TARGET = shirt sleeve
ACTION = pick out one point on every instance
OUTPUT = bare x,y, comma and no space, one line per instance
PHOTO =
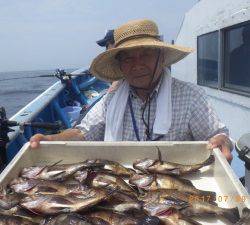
93,124
204,122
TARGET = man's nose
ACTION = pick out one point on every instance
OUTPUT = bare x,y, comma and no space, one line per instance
138,61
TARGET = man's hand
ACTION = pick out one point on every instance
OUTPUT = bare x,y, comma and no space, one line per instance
222,142
67,135
35,140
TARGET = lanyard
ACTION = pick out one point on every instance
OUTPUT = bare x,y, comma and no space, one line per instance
135,126
133,119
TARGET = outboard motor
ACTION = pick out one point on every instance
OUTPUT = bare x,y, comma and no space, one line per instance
243,148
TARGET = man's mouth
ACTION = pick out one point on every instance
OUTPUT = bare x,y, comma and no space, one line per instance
142,75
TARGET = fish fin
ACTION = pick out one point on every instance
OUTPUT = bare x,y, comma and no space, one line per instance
33,211
231,214
175,171
111,191
64,210
48,167
159,154
54,164
152,220
95,165
179,203
41,170
141,191
188,211
185,181
212,201
209,161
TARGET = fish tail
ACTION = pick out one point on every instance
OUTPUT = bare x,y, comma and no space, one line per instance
209,196
246,212
245,216
231,214
185,218
209,161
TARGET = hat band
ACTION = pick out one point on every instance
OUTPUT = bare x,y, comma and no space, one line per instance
157,37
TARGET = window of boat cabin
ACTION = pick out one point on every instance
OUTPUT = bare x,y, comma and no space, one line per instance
207,59
237,58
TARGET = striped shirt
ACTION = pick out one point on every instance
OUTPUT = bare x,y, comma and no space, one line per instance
193,118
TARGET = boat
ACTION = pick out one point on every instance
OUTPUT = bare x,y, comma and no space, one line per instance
58,108
218,37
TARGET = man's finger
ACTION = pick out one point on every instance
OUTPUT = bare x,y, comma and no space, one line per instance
227,153
35,140
34,144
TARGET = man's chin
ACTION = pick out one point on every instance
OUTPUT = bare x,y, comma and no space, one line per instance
139,85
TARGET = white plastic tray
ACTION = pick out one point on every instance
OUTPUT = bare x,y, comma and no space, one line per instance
218,177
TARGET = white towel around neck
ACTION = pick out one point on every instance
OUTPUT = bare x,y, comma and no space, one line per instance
116,109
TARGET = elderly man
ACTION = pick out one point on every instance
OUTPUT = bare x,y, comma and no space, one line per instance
149,104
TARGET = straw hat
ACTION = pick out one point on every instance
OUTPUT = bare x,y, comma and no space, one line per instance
137,33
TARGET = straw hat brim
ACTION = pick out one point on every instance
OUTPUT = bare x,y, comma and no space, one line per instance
106,67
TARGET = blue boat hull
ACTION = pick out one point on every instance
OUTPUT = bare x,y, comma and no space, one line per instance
48,107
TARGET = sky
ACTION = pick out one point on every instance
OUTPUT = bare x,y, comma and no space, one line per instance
50,34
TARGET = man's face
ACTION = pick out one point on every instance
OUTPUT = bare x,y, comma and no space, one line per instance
138,66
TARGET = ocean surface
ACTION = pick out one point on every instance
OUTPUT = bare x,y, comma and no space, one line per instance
16,93
19,88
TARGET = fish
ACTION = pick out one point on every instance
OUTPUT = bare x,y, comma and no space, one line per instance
121,202
67,219
19,212
55,204
174,217
8,200
245,219
156,209
189,206
150,182
123,197
55,172
35,186
101,179
127,206
22,185
160,201
113,167
14,220
115,218
171,197
169,168
122,219
122,207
